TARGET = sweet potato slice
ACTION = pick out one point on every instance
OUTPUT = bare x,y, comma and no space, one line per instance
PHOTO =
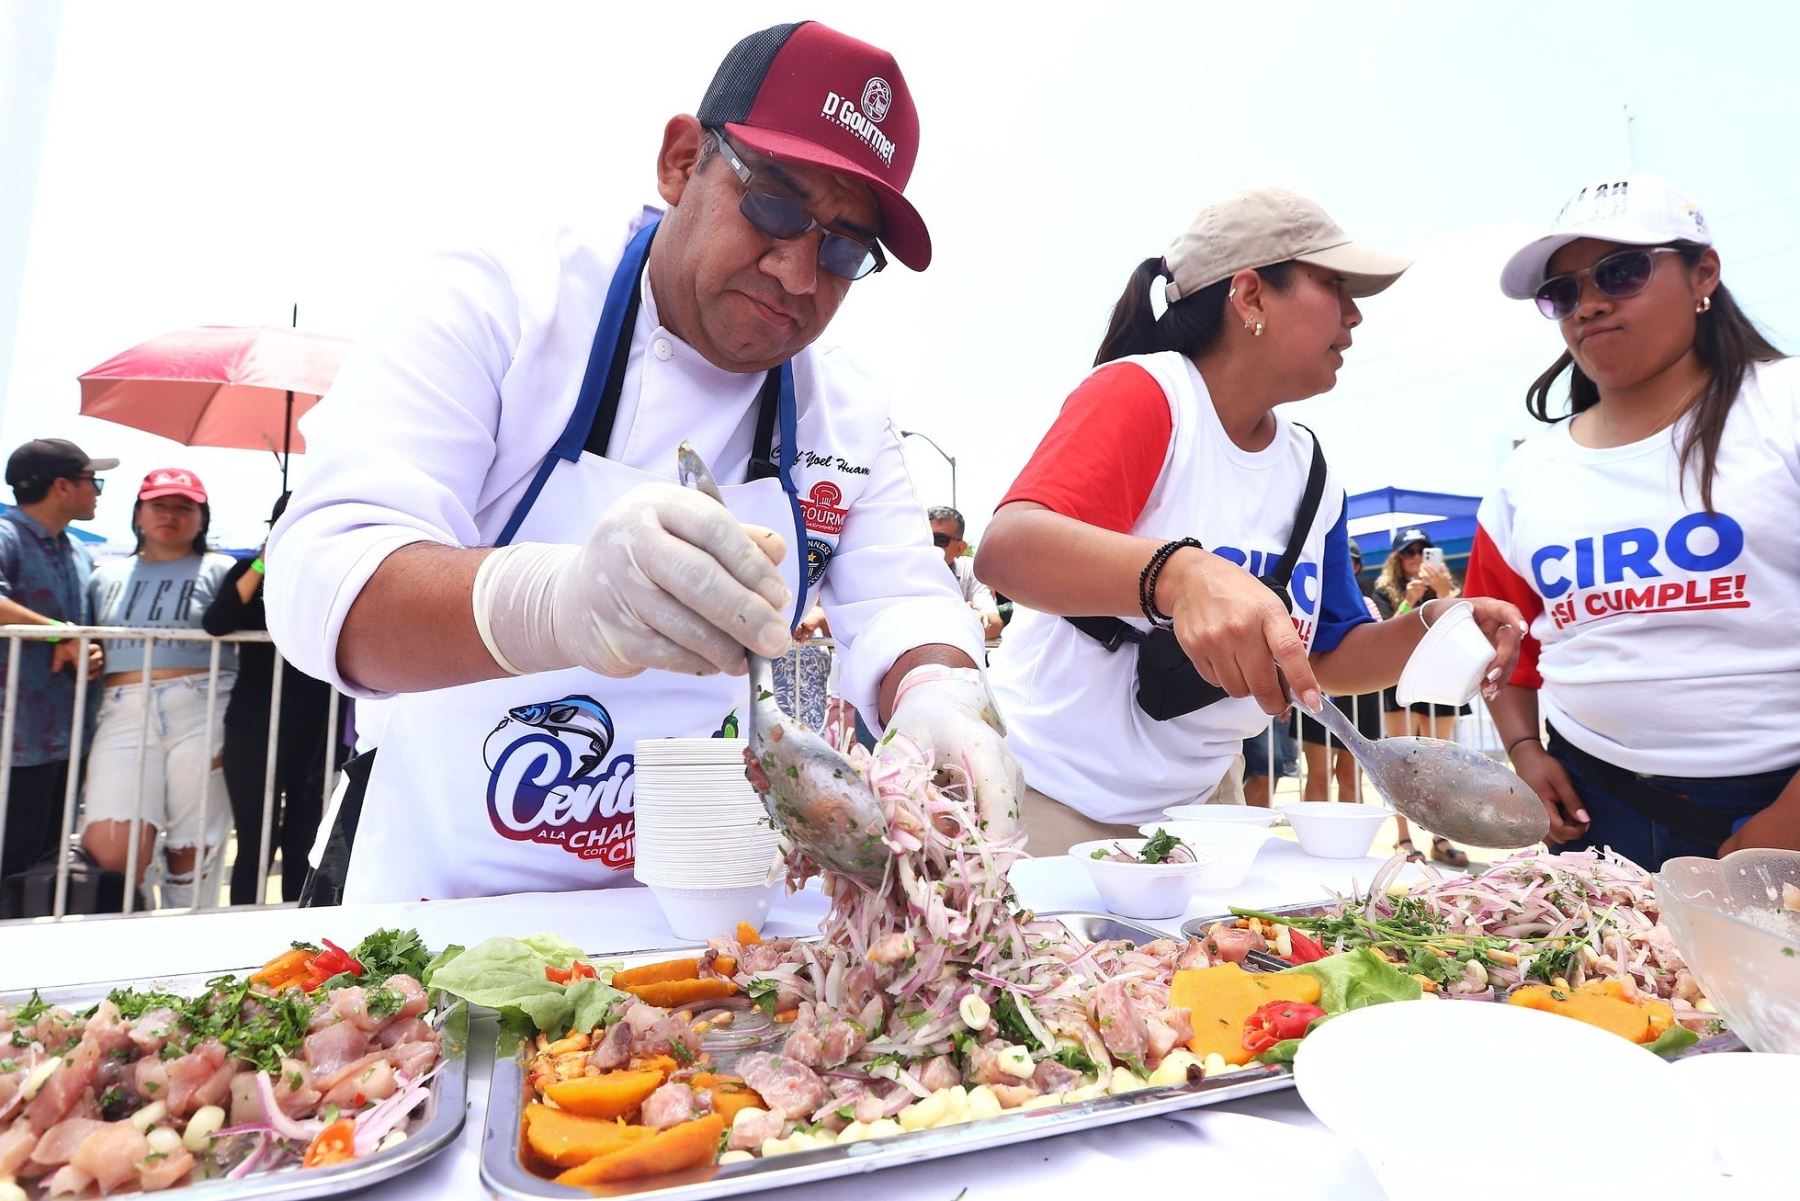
567,1139
748,935
724,965
657,973
608,1095
729,1094
673,994
1219,998
689,1145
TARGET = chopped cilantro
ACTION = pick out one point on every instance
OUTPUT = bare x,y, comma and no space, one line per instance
1076,1059
1010,1021
681,1052
295,1082
9,1065
329,1115
1162,844
113,1098
384,1002
761,992
31,1010
151,1088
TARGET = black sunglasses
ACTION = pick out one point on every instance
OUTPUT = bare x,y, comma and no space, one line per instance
1625,273
940,540
779,217
98,483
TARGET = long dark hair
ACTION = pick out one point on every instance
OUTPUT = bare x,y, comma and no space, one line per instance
199,543
1191,325
1726,341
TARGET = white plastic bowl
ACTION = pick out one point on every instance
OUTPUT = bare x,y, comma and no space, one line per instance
1445,668
702,913
1355,1074
1224,815
1236,843
1147,890
1334,829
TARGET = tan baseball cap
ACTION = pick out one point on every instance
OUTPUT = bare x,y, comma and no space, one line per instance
1264,226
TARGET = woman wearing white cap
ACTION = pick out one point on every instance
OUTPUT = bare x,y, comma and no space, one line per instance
156,772
1651,538
1171,499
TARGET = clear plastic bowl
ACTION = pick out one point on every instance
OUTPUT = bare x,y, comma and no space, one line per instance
1749,971
1146,890
1237,845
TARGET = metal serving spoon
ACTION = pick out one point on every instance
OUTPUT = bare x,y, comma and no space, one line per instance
814,795
1449,789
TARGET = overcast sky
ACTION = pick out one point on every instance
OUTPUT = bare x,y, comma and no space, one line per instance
216,163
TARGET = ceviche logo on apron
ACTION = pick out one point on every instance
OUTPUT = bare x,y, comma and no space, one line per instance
550,780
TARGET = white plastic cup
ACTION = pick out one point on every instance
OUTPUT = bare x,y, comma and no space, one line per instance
697,914
1445,668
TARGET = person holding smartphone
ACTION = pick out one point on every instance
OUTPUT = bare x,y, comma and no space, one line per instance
1413,576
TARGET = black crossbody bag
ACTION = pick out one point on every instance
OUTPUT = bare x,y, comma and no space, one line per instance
1168,685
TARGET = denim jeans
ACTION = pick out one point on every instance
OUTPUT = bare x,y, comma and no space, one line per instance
1615,822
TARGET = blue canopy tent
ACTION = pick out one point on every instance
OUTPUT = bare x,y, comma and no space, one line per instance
1374,518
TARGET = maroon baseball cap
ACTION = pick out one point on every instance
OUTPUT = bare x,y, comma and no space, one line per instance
172,481
807,93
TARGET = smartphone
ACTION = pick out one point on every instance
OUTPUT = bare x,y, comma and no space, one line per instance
1434,554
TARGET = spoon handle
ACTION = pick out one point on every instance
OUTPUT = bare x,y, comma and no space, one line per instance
1333,719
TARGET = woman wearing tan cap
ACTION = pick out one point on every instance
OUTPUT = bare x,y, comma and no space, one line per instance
1205,530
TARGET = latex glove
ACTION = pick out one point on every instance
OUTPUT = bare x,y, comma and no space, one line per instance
949,711
668,579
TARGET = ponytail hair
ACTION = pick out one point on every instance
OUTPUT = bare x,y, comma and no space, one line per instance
1190,326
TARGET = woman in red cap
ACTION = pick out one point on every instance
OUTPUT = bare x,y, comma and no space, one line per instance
156,773
1649,537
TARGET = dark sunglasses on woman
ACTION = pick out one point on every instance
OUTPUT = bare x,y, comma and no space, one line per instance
1618,275
782,218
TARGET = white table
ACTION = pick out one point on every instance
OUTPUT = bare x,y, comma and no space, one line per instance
1209,1149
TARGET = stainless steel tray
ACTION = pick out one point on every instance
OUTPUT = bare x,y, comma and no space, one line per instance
1195,927
503,1169
429,1132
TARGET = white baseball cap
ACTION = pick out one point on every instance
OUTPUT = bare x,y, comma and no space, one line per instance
1641,210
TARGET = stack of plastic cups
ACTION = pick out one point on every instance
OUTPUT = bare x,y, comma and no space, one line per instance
705,846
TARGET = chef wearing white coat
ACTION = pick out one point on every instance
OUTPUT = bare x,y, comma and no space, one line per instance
532,401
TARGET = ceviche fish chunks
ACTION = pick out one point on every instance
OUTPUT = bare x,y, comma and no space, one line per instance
148,1089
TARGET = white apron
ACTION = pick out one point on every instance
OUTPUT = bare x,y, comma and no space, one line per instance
525,784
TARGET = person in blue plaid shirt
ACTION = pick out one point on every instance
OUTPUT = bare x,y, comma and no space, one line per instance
43,581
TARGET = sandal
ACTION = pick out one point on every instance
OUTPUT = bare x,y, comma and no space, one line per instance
1443,852
1410,851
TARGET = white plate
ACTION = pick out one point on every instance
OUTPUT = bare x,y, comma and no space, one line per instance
1376,1076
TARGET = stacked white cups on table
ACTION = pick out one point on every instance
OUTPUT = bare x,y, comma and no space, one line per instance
705,846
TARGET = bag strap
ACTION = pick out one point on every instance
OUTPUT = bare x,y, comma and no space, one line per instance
1112,632
1303,519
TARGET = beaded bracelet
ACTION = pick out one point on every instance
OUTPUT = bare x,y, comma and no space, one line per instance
1152,572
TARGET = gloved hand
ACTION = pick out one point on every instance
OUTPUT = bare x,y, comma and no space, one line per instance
949,710
668,579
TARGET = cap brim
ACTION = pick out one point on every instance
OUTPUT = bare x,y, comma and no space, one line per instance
198,498
903,231
1524,271
1368,271
102,464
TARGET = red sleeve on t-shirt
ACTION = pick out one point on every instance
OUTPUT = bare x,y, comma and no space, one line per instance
1490,574
1105,452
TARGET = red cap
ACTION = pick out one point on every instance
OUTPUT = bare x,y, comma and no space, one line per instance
172,481
809,94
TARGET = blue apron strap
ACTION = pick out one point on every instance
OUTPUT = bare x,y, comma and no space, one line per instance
789,417
593,382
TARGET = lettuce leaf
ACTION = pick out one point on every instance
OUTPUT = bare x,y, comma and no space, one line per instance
1358,978
1673,1042
507,974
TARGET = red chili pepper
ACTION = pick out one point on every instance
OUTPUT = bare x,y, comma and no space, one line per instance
1305,950
568,975
338,959
1276,1022
557,975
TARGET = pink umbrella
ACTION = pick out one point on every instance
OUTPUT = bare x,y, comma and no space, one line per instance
217,385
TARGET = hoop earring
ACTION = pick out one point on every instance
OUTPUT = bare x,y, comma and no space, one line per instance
1703,305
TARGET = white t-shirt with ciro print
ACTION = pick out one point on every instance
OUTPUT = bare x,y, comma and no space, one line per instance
1664,638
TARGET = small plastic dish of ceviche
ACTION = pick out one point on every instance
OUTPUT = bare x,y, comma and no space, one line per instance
1131,887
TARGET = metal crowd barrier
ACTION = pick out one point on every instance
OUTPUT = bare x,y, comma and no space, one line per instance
206,882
